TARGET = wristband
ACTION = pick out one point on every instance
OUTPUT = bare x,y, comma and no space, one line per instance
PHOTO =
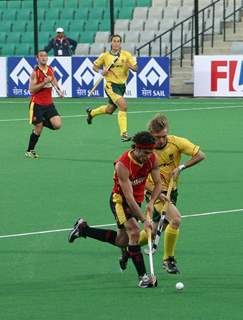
181,167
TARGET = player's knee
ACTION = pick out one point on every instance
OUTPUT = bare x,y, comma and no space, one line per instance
57,126
176,222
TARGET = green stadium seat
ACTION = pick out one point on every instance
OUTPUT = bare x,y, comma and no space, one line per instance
9,14
41,14
17,4
48,26
30,26
28,37
143,3
105,25
3,37
44,4
92,25
85,4
63,24
13,37
130,3
107,14
87,37
117,3
57,4
67,13
3,4
77,25
8,50
23,50
96,13
126,13
74,35
25,14
52,14
44,36
82,14
72,4
101,4
27,4
19,26
6,26
41,46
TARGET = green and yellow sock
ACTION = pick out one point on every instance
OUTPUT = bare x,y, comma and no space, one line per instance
170,239
98,111
122,121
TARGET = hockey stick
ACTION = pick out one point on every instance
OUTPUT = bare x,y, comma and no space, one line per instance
58,91
161,221
102,77
151,261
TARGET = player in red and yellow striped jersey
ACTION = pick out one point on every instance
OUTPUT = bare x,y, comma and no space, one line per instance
115,87
169,150
42,111
131,172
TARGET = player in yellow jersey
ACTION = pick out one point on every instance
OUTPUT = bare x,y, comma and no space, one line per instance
169,149
115,87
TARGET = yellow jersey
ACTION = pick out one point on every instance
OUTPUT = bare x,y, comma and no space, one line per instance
169,158
119,72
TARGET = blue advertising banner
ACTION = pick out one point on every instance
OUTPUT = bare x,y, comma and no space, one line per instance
19,71
153,78
76,77
84,78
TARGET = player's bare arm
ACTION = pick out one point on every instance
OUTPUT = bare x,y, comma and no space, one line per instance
34,87
198,157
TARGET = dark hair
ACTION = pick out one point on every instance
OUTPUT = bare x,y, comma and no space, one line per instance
116,36
39,51
143,137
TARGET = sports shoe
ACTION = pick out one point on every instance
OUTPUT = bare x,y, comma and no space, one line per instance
78,230
31,154
89,117
170,265
147,282
123,259
125,137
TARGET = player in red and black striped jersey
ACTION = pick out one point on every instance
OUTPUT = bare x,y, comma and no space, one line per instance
42,111
131,172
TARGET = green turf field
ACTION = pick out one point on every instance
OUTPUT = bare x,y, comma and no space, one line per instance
45,277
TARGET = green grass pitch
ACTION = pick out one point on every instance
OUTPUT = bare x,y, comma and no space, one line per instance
43,277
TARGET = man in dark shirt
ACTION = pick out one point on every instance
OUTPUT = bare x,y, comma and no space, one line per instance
61,45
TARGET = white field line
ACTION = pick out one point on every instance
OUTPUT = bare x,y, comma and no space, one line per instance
202,214
141,112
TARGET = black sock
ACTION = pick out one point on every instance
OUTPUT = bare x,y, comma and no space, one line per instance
33,141
137,259
101,234
48,124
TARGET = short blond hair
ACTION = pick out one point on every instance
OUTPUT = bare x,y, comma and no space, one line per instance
158,123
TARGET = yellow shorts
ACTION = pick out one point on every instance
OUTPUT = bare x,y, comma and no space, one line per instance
114,91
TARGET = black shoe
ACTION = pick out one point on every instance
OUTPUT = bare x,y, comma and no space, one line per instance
125,137
170,265
147,282
89,117
78,230
123,259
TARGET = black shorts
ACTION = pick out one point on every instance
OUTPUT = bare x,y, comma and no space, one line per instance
120,209
40,113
